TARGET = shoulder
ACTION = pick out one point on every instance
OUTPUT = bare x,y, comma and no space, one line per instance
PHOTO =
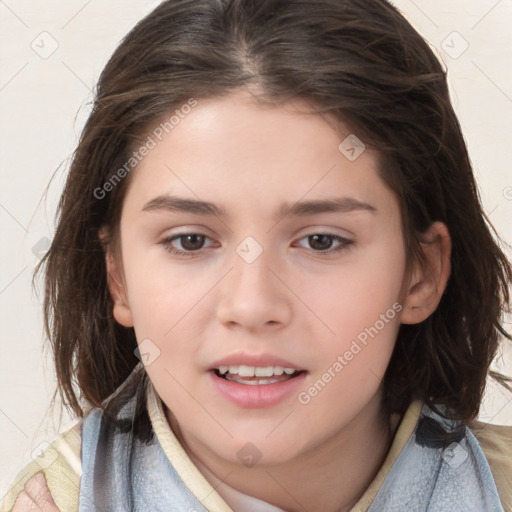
496,443
60,461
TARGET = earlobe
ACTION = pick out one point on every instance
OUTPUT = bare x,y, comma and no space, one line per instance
428,281
121,309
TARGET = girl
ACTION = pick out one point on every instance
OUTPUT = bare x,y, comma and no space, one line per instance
272,285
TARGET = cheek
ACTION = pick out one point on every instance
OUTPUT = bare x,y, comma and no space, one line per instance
359,307
161,293
353,295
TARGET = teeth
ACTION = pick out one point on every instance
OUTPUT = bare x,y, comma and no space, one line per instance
246,371
255,371
257,382
267,371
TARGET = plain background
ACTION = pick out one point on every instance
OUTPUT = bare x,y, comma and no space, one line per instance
44,101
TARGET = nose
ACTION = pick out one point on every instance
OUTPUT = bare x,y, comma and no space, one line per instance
252,297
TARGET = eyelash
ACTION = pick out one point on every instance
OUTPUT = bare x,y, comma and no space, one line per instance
345,244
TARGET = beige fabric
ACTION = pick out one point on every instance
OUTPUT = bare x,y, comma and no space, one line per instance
61,462
496,443
402,435
193,479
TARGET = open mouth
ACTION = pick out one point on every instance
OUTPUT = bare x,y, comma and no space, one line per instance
256,376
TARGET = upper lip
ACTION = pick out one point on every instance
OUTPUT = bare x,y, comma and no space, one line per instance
257,360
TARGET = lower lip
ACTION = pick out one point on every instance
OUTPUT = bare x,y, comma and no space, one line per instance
256,396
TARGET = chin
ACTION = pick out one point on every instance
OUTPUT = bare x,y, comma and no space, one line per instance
256,450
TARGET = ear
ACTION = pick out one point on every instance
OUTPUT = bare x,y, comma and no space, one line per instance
116,285
428,280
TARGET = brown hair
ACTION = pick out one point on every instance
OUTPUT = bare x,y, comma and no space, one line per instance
359,59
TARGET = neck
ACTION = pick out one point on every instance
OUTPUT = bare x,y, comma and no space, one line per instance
331,477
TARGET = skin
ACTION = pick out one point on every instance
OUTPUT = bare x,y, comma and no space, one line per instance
291,301
35,497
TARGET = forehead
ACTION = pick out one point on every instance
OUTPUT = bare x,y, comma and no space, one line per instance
235,151
237,126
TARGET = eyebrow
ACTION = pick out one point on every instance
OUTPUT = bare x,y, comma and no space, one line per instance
298,209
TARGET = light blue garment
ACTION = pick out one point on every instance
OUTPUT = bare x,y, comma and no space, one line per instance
430,477
125,470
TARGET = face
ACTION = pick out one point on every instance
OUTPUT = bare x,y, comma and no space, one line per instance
250,242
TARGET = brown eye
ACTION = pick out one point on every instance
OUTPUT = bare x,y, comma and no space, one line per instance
192,242
186,244
326,244
320,242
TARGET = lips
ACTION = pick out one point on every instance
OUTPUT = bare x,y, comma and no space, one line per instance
255,370
272,386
